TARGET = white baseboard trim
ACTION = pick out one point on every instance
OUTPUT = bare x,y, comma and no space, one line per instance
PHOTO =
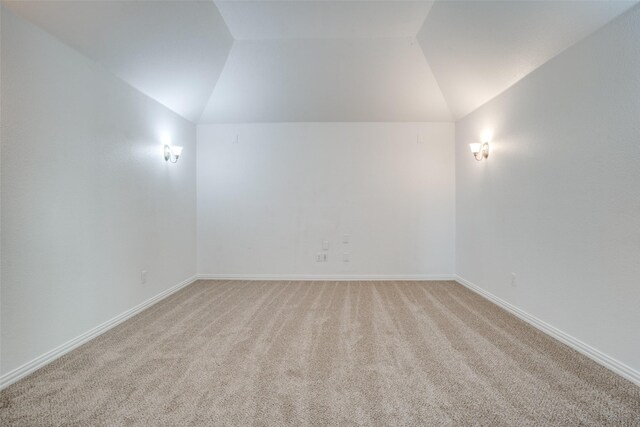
326,277
48,357
592,353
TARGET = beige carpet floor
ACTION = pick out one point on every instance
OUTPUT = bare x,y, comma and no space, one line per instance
322,353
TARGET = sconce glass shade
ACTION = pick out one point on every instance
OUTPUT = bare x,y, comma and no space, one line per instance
475,147
176,151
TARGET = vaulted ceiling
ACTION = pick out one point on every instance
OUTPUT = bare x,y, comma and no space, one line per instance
477,49
287,61
172,51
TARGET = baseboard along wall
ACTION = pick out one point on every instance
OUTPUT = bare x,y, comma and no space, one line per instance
48,357
328,277
592,353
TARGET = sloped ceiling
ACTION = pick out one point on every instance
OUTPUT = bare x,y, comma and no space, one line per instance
172,51
477,49
306,60
254,20
325,61
293,80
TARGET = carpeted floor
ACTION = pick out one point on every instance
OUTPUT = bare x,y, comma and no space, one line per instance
322,353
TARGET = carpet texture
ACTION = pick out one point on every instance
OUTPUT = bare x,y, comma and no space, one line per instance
322,353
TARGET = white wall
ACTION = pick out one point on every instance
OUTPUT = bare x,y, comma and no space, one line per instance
558,200
88,202
267,201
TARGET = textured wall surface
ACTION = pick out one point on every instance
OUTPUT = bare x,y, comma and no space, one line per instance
558,201
267,201
88,202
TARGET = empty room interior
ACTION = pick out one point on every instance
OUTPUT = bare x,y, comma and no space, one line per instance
327,213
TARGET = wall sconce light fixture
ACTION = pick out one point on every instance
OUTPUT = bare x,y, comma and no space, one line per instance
480,150
172,153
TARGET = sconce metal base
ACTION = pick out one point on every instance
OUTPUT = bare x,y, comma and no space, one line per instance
167,153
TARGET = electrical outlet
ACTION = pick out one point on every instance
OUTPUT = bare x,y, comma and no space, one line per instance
513,280
346,257
325,257
319,257
143,277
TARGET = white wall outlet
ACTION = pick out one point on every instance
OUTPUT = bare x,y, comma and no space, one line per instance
143,277
513,280
319,257
345,238
346,257
325,245
325,257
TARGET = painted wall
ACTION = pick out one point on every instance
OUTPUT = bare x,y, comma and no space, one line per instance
269,194
88,202
558,201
